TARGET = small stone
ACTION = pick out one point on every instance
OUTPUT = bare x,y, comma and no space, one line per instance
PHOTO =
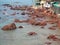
36,23
52,37
48,43
43,23
52,28
17,13
32,33
20,26
23,13
17,21
42,27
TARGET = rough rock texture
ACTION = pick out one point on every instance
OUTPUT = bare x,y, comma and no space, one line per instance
23,13
8,5
17,21
53,37
11,26
43,23
32,33
52,28
20,26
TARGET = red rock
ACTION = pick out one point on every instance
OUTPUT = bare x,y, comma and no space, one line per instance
48,43
54,16
20,21
42,27
52,28
31,21
30,13
29,9
58,24
17,21
20,26
11,26
8,5
36,23
52,21
32,33
53,37
43,23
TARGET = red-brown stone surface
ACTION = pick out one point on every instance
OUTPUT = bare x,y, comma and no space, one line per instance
11,26
17,21
20,26
52,28
53,37
32,33
43,23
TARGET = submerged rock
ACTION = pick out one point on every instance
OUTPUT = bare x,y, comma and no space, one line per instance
31,21
32,33
8,5
20,26
23,13
11,26
42,27
17,21
20,21
52,28
53,37
48,43
43,23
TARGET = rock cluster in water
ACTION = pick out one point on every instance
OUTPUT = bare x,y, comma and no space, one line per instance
39,16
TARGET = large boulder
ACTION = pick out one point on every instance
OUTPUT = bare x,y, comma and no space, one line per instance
11,26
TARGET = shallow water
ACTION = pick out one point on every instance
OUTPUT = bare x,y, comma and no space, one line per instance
19,36
21,2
